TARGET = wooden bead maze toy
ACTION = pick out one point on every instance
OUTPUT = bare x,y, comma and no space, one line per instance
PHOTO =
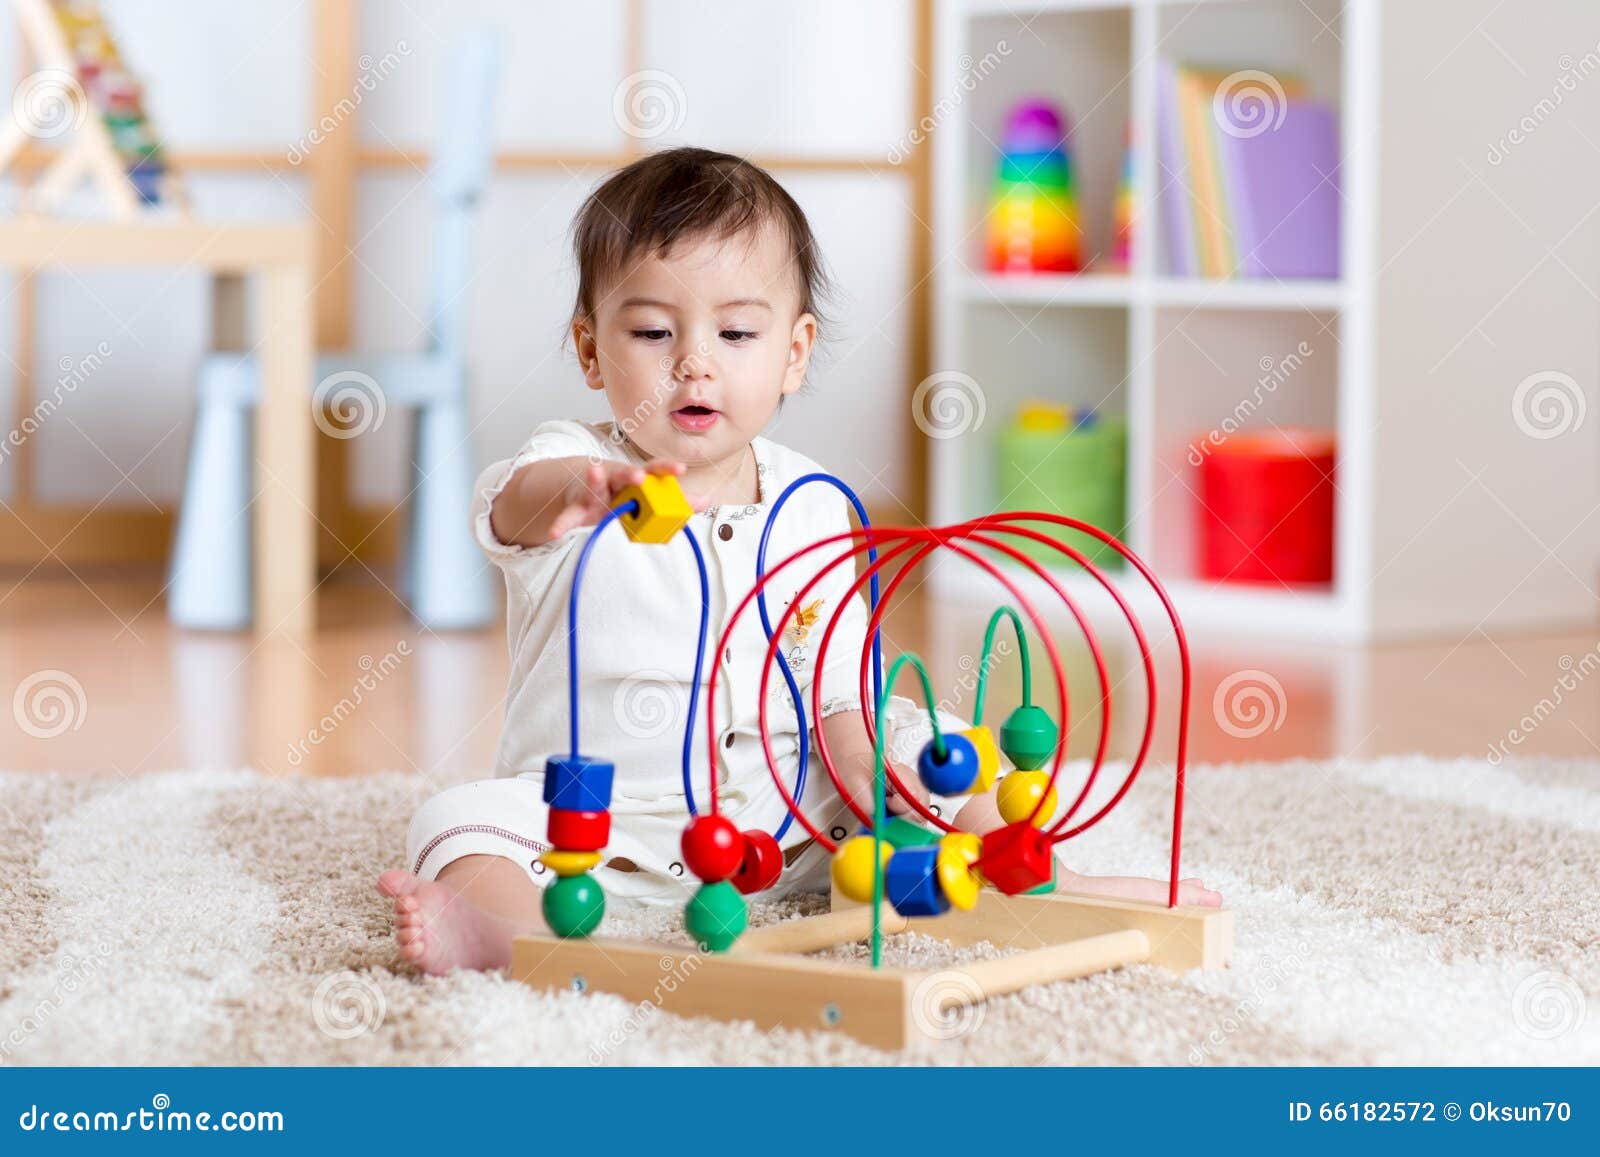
895,875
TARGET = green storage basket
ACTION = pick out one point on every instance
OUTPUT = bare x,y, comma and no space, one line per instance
1080,470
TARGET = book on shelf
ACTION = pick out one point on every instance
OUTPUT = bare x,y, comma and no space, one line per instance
1252,197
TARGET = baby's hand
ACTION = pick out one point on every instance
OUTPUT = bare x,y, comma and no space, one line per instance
587,499
859,781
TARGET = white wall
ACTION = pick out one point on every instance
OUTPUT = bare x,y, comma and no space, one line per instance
754,77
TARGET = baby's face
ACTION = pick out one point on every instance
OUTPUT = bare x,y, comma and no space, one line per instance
696,348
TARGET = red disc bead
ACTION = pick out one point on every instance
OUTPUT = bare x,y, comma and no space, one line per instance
712,847
576,831
763,863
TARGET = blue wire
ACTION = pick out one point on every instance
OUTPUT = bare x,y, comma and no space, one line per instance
766,625
572,614
699,663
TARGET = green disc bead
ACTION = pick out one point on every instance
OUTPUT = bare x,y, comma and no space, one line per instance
1028,736
1048,886
574,905
899,832
716,916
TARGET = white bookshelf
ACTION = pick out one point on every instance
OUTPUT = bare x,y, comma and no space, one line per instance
1419,396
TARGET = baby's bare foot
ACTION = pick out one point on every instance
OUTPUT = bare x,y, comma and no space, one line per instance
1190,890
438,929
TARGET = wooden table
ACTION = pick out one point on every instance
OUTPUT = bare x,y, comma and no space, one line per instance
279,258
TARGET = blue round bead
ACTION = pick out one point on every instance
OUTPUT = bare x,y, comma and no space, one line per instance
953,774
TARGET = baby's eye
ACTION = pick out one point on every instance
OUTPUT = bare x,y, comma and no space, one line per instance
738,335
651,334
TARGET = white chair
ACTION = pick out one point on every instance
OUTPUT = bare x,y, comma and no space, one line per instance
444,580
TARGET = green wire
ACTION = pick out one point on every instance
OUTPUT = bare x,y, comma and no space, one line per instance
879,777
983,662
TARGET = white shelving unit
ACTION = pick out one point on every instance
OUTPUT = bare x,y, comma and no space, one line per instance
1449,516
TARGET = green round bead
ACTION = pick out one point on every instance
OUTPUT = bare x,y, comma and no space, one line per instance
716,916
574,905
1028,736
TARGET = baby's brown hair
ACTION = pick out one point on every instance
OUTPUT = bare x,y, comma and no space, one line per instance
684,193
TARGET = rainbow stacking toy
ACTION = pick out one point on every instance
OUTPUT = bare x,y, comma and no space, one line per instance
1033,209
895,874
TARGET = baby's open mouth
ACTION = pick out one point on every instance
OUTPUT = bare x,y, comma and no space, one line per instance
694,418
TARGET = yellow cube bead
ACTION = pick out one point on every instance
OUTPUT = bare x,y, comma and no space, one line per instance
958,879
852,867
988,759
663,509
1019,791
564,863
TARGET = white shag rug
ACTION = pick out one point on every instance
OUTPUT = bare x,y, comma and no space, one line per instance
1392,911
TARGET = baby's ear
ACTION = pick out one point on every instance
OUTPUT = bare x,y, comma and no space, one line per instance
583,342
802,339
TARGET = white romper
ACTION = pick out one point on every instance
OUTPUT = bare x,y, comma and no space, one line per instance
638,614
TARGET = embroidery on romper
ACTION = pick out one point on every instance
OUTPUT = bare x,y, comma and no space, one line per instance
800,626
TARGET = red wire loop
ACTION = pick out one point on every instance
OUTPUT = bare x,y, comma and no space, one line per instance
894,544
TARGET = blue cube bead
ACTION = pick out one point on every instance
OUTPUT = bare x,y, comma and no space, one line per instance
912,882
580,783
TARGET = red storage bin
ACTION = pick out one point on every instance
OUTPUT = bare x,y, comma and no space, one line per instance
1267,512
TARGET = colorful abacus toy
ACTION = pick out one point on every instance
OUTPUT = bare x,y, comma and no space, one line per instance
895,873
85,95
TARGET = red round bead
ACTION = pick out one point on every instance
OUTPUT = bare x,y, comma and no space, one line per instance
763,863
712,847
575,831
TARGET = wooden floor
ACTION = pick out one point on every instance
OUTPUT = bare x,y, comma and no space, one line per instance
100,682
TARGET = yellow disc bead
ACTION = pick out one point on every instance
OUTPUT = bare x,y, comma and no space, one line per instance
564,863
1019,791
988,759
958,852
852,867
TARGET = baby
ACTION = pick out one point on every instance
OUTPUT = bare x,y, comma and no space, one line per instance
696,315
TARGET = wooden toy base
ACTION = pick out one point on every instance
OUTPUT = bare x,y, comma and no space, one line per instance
768,979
